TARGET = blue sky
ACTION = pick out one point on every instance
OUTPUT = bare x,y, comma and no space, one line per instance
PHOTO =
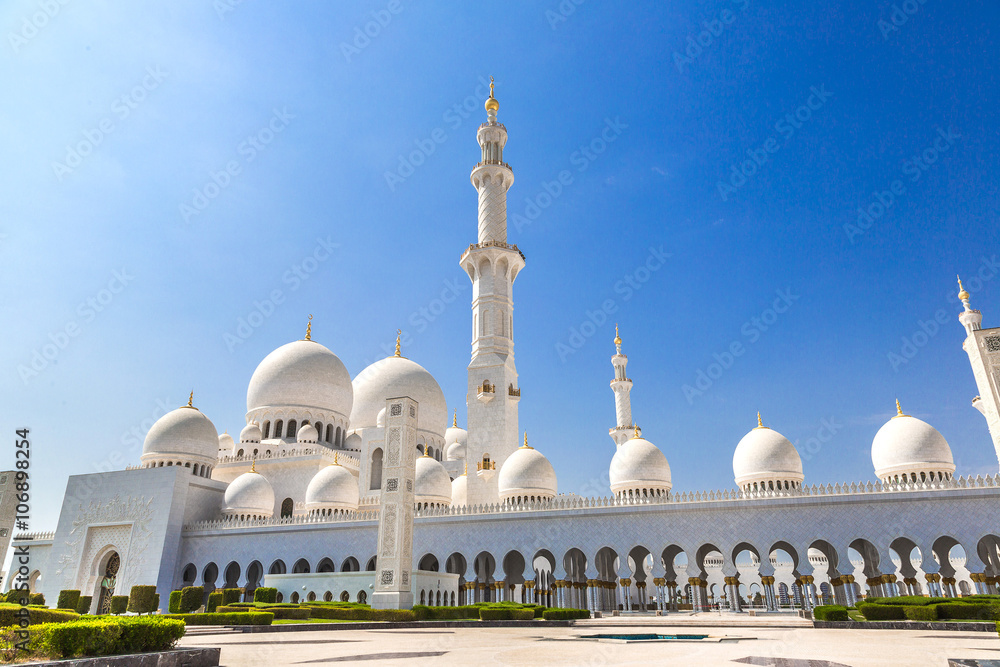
169,170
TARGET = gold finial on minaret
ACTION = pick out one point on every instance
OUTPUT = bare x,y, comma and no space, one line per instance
309,328
635,432
399,332
190,400
335,462
526,445
491,103
618,338
454,420
253,464
962,294
760,424
899,410
464,474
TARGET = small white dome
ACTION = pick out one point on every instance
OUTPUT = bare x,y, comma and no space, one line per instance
249,494
250,434
353,442
527,474
393,377
333,488
456,451
431,483
766,458
639,466
380,419
307,435
226,442
185,435
456,440
460,491
910,448
302,373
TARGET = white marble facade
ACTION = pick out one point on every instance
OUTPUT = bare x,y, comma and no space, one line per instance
295,500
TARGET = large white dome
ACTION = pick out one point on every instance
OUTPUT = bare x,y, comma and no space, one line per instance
251,495
393,377
907,447
184,435
639,468
526,475
431,483
460,490
333,488
765,459
303,374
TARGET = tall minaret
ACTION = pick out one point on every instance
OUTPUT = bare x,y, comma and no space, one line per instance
622,386
983,348
492,265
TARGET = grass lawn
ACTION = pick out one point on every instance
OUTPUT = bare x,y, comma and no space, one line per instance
288,621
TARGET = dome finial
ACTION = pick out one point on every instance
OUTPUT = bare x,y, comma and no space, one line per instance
899,410
526,445
962,294
760,424
399,332
253,464
309,328
635,432
426,453
454,420
491,103
618,340
335,461
191,400
466,473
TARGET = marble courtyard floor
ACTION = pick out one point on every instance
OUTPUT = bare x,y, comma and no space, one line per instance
775,646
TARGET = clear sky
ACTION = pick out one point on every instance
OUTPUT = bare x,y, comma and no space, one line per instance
168,170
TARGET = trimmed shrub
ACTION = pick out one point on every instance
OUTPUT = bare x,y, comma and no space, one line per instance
191,598
83,604
422,612
143,600
343,613
908,600
565,614
110,636
231,595
524,614
927,612
119,604
280,613
881,612
174,604
214,602
969,611
240,618
37,598
265,595
496,614
68,599
831,612
11,614
391,615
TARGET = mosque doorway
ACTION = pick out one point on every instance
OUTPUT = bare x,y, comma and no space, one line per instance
108,581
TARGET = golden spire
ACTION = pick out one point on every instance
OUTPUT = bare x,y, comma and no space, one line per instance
491,103
335,462
454,420
191,401
760,424
464,474
962,294
427,454
399,332
526,445
618,339
309,328
899,410
635,432
253,464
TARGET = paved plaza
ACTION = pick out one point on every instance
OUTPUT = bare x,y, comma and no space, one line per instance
776,646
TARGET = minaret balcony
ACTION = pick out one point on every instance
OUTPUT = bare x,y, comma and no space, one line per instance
485,469
977,403
514,394
626,381
485,392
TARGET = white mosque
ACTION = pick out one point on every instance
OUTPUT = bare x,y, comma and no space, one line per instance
296,501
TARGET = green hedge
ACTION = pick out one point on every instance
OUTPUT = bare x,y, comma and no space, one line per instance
969,611
111,636
231,595
565,614
174,605
83,604
214,602
191,598
927,612
265,595
881,612
9,615
831,612
280,613
909,600
143,599
239,618
392,615
119,604
68,599
345,613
